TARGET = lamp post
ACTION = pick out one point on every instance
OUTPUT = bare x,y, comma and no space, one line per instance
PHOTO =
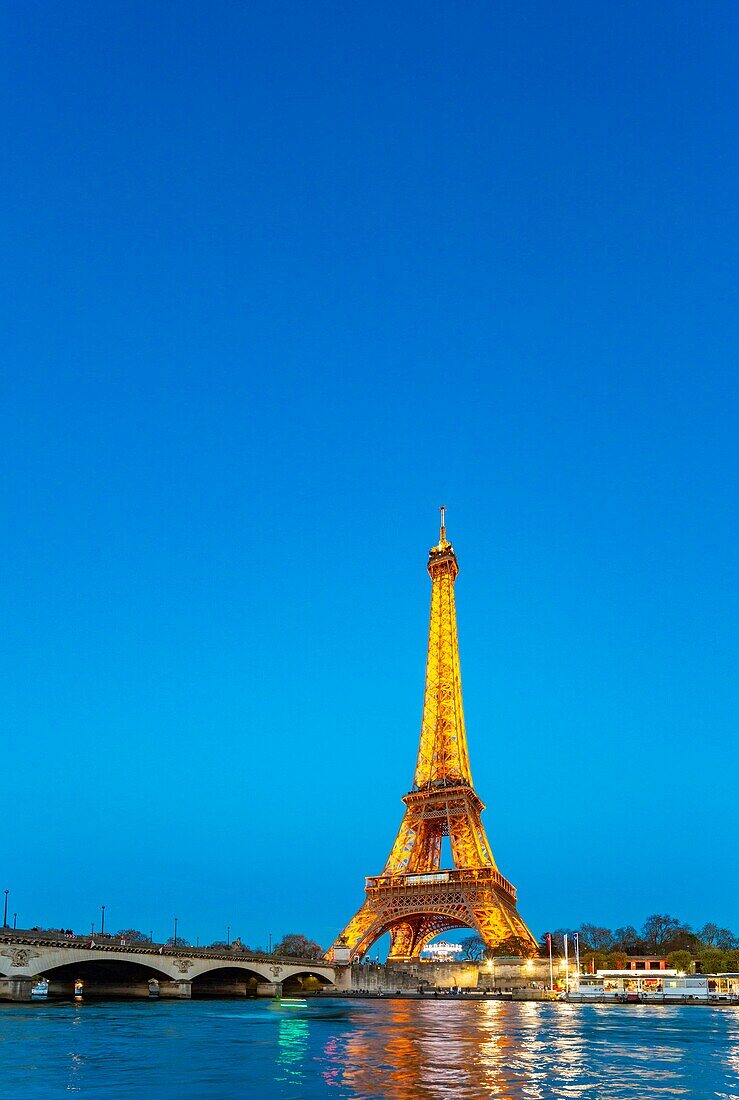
15,918
102,920
151,935
5,910
270,943
175,932
228,935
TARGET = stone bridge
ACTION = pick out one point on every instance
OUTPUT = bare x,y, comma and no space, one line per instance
112,969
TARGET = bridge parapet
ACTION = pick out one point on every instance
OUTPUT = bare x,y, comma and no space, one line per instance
91,943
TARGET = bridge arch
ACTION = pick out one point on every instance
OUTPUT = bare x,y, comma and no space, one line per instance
411,932
106,976
305,981
226,979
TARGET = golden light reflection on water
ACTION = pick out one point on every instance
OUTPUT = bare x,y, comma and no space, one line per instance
428,1049
413,1050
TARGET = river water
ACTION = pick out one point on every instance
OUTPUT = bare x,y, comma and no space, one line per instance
400,1050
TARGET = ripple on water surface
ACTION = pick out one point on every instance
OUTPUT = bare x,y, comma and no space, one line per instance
400,1050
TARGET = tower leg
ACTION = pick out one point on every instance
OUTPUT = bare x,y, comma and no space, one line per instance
404,939
360,933
497,924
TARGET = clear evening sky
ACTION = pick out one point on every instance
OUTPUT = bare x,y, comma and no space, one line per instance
279,279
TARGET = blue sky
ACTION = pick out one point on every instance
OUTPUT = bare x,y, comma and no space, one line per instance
279,279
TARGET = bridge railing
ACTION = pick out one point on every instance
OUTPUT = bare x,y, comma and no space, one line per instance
93,943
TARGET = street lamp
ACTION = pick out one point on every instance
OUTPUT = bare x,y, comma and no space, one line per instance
5,910
175,932
15,918
228,935
270,943
102,920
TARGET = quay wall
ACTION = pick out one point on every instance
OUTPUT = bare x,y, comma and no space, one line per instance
502,974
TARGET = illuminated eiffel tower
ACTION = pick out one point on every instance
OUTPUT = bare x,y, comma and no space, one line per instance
414,899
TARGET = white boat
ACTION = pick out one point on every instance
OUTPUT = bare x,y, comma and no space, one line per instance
639,985
40,990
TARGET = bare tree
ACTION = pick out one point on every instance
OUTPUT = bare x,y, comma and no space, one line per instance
131,935
660,932
596,938
712,936
472,947
298,946
627,939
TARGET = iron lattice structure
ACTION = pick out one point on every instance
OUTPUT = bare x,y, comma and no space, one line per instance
414,899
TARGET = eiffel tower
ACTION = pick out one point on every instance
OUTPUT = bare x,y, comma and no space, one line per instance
414,899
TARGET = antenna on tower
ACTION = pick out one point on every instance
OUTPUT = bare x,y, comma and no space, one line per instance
442,533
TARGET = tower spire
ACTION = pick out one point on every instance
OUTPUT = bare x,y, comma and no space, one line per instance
442,750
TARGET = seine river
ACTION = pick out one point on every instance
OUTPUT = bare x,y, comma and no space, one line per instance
401,1050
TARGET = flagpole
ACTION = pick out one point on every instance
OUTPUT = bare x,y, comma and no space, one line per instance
551,968
567,966
576,938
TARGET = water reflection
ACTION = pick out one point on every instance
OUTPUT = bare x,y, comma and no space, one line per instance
292,1043
413,1050
359,1050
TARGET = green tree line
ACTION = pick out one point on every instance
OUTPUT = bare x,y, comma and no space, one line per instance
710,949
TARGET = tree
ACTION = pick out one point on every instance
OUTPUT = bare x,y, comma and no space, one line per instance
595,938
131,935
595,960
557,942
685,939
680,960
181,941
662,932
627,939
712,961
712,936
472,947
603,960
512,946
732,960
298,946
